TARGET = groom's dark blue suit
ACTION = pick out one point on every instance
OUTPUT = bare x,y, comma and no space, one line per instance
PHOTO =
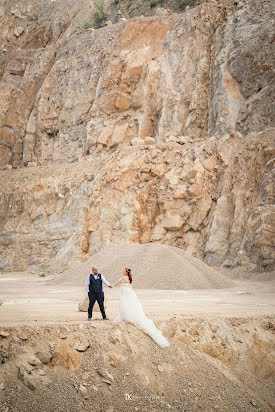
96,294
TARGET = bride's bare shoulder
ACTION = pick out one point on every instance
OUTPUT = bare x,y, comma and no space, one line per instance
125,279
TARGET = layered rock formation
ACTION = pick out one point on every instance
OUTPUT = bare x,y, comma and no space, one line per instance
150,130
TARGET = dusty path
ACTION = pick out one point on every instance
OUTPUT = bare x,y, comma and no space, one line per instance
28,298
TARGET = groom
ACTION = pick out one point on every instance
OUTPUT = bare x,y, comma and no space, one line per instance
93,285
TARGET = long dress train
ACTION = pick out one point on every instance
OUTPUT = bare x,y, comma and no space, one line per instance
130,310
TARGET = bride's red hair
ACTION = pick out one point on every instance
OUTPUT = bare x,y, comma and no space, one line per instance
129,274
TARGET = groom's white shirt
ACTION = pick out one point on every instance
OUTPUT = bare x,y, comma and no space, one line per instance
87,281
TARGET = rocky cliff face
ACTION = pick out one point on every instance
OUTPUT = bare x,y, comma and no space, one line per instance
155,129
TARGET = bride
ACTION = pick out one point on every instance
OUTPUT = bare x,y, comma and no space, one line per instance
131,310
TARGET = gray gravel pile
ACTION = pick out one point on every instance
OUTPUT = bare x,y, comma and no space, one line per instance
153,266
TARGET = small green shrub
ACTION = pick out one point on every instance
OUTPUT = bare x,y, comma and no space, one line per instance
116,2
184,4
140,9
153,3
99,15
87,25
42,275
97,20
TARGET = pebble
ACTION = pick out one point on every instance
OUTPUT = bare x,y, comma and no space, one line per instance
21,370
85,376
83,391
253,402
18,31
4,334
107,381
44,357
23,337
160,368
105,374
29,368
34,362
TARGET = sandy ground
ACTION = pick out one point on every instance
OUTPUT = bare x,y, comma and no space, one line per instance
28,298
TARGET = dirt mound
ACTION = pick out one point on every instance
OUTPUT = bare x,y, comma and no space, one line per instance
153,266
70,367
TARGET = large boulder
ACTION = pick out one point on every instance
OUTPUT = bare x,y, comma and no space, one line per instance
65,356
83,306
78,342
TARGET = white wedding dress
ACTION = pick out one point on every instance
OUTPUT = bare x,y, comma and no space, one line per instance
130,310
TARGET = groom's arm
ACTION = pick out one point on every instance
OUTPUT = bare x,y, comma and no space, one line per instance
87,283
105,281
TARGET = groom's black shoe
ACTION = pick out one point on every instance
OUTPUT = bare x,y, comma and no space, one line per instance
105,319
